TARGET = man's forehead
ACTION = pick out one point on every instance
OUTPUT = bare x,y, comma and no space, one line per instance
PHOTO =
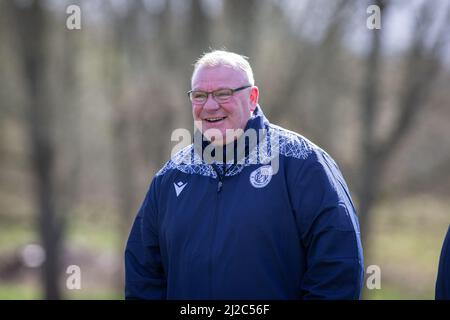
222,75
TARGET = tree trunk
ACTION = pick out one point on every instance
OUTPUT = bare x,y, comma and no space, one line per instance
31,26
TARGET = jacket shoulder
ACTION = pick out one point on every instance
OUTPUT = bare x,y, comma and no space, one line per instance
187,161
292,144
184,156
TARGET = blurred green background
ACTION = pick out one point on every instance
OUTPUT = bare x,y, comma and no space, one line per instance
87,115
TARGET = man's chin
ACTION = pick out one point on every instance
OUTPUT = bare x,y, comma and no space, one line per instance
216,140
220,136
214,135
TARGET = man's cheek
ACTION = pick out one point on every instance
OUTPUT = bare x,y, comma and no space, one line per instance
196,112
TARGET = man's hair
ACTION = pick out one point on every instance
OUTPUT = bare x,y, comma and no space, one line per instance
219,58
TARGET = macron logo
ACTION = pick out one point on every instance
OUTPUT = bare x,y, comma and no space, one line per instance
179,186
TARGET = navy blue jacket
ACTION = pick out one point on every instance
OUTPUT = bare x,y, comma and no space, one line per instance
246,229
443,278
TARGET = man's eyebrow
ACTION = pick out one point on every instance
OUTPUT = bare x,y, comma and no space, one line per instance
219,88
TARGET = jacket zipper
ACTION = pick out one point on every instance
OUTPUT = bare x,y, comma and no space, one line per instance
215,217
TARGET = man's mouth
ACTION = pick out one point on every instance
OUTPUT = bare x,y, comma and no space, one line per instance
215,119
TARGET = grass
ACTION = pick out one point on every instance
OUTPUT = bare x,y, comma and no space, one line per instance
406,241
31,292
101,238
19,292
14,236
97,236
393,292
94,295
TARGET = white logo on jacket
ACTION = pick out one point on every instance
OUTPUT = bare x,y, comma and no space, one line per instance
179,186
261,177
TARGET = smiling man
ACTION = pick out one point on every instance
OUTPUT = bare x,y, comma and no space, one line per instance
234,226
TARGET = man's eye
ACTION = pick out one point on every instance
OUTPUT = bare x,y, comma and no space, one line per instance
223,94
198,95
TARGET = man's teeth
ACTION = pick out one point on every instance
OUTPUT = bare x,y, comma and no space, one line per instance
214,119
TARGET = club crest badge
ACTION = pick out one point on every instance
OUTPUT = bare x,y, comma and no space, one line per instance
261,176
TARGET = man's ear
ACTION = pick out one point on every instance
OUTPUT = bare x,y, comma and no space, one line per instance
254,95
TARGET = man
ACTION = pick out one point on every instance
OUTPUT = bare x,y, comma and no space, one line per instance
271,220
443,278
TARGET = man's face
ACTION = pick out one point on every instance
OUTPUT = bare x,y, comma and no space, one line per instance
234,113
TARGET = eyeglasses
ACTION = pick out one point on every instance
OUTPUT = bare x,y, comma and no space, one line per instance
219,95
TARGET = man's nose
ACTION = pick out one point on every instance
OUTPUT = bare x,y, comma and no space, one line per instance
210,103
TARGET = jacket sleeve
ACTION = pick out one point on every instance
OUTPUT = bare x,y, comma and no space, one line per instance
329,232
144,272
443,278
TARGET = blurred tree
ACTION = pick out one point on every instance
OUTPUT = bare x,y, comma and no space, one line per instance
31,37
421,69
51,120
